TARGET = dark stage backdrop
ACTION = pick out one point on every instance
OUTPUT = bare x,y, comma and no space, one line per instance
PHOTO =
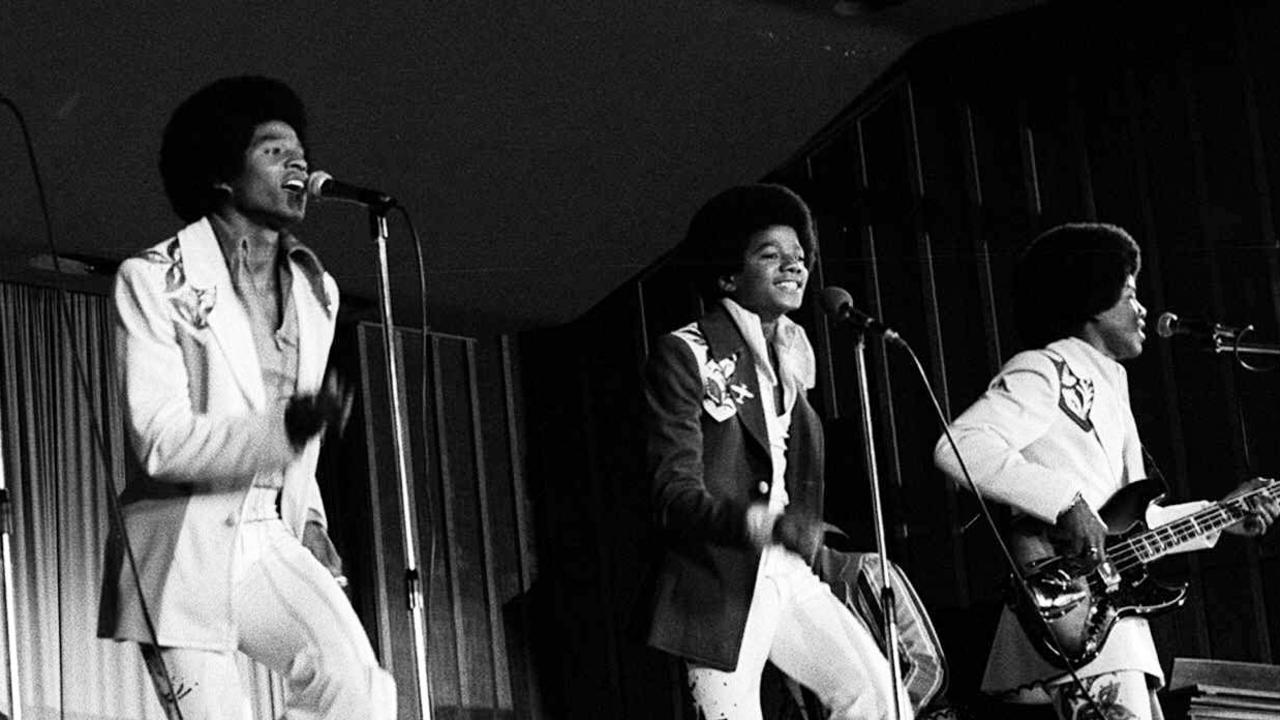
925,190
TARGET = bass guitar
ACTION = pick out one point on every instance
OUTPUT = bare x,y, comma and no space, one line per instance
1076,602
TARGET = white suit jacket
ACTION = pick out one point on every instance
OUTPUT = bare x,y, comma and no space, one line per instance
200,430
1055,422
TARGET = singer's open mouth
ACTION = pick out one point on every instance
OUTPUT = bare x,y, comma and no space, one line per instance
294,185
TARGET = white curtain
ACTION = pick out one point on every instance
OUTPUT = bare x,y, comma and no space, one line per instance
58,480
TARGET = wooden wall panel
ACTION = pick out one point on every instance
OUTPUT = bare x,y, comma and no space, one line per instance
462,420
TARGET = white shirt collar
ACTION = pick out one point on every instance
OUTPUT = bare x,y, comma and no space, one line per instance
795,354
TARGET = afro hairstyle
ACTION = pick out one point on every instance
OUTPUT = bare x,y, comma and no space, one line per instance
207,135
1068,275
720,231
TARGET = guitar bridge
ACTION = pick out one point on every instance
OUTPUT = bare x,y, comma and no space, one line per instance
1055,593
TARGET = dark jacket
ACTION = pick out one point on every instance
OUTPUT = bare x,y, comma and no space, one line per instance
705,473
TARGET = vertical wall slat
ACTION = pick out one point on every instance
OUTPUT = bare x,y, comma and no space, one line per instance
1085,179
937,362
526,557
497,642
453,541
1030,170
381,570
884,428
605,553
524,541
973,187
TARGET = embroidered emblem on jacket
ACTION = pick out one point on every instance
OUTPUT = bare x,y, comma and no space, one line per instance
1075,396
192,304
722,396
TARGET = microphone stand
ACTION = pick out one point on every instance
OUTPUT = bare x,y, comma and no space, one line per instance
10,622
413,580
887,600
1229,341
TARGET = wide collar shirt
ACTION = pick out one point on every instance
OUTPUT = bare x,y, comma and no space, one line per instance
273,320
795,374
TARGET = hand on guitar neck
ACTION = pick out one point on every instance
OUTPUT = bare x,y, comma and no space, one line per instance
1263,508
1080,533
1075,600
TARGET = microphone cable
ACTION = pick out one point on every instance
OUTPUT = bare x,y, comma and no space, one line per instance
1020,579
432,547
115,514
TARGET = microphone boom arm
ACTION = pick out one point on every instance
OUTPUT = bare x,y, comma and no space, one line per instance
1232,344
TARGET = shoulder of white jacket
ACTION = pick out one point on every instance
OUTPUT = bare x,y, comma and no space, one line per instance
156,257
1041,360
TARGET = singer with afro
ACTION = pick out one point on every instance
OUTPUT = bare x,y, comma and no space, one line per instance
222,334
736,460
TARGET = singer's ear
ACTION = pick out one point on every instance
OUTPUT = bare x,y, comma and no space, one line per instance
727,283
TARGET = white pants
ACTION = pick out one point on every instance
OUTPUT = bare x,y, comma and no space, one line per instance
801,627
290,615
1123,693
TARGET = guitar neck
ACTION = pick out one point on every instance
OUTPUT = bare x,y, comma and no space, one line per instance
1165,539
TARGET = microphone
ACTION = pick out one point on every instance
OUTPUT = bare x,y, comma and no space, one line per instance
838,305
322,186
1170,324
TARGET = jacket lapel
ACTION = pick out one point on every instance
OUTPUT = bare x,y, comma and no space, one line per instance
206,269
724,340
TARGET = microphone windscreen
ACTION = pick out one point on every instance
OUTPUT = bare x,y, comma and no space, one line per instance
1166,326
316,181
836,300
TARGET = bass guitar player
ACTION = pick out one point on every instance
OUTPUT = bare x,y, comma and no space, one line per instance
1054,439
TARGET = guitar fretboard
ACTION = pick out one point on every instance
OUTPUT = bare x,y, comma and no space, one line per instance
1152,544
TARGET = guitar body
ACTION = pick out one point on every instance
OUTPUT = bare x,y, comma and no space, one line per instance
1076,604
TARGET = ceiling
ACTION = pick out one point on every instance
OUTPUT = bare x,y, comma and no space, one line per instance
546,151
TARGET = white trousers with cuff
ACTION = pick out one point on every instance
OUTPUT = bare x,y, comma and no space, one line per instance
796,623
291,616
